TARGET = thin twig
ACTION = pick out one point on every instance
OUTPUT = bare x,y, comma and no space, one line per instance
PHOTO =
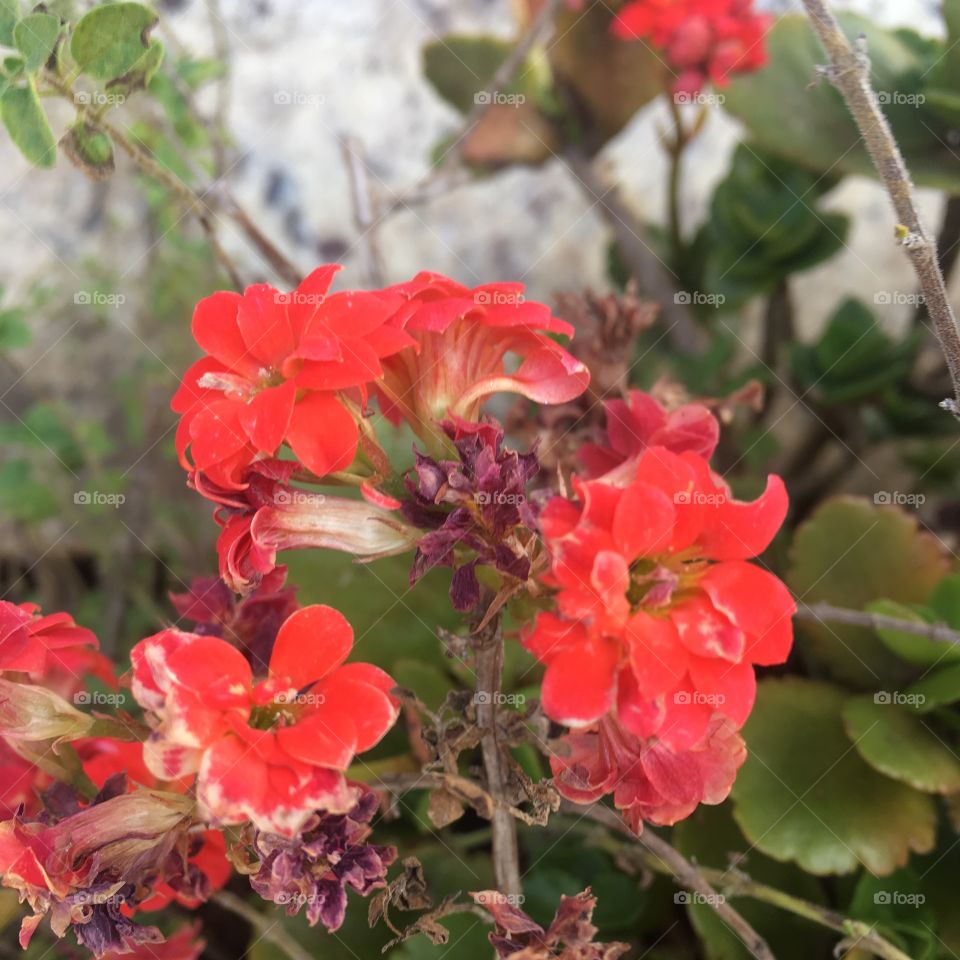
652,276
364,214
849,72
827,613
270,929
666,859
489,667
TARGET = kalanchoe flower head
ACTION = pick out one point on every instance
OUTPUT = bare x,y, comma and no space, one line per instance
462,338
271,752
660,617
641,421
270,516
314,869
649,780
569,936
251,623
476,504
277,370
85,869
50,648
702,40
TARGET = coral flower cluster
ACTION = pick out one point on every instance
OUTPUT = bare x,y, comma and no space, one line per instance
703,41
659,622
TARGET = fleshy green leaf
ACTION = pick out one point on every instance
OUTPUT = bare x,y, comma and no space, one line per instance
901,744
35,36
805,795
27,125
937,689
142,72
9,15
851,552
813,127
109,41
909,646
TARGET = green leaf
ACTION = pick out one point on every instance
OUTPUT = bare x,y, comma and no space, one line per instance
899,743
9,15
110,40
14,331
805,795
851,552
459,68
142,72
759,232
909,646
813,127
89,149
854,358
35,36
27,125
937,689
22,497
897,906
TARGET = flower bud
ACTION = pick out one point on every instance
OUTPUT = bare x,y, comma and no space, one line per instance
32,714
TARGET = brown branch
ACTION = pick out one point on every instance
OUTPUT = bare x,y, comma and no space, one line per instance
364,215
827,613
489,667
849,72
653,277
665,859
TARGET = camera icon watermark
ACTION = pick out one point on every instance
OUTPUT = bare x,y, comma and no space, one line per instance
98,98
498,498
291,497
899,98
490,897
700,98
497,298
688,697
886,298
688,897
698,497
500,699
296,298
898,898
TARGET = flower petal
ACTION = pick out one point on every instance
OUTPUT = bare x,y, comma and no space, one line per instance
310,645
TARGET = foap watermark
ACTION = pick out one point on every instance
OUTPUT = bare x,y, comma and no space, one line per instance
298,98
296,298
97,698
885,898
98,98
496,98
494,897
498,498
300,699
898,498
97,298
97,498
697,298
497,298
700,498
700,98
693,896
899,98
699,697
898,298
299,498
896,698
500,699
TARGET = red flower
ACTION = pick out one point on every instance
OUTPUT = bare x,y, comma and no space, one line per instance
270,752
21,781
660,617
50,648
702,40
277,370
462,337
641,421
648,780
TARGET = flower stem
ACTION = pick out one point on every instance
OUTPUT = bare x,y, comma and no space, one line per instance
489,663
